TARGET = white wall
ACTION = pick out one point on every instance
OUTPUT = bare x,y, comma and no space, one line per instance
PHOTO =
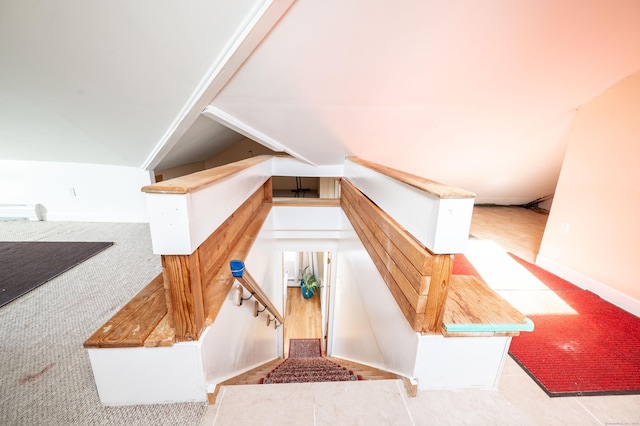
460,362
591,236
130,376
76,192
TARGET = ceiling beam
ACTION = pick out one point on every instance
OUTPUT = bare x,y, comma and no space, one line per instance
252,133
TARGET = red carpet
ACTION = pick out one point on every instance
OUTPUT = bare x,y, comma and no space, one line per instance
306,364
304,348
595,351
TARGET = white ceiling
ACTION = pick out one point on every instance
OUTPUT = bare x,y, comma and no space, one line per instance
93,81
473,93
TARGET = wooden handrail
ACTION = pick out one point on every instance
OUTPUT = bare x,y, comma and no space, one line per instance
197,180
438,189
242,275
195,286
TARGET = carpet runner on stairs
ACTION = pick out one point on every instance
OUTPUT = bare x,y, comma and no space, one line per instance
306,364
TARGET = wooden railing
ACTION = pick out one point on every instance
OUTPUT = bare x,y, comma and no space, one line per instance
197,284
240,273
438,189
421,282
417,278
194,286
198,180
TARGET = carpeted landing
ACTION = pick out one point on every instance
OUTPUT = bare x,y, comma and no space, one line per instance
306,364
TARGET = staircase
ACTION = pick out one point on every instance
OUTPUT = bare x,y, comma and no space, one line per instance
259,374
364,372
304,370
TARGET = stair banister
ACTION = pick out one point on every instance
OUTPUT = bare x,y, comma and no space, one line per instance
241,274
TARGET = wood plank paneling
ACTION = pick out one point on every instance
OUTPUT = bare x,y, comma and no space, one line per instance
220,284
268,190
416,253
185,291
438,288
383,260
197,284
375,220
132,324
411,303
214,249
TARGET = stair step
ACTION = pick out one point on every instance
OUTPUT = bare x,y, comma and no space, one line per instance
315,369
365,371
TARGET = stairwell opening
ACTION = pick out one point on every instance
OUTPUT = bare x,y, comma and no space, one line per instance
306,318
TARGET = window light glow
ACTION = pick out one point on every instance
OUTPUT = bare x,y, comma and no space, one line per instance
513,281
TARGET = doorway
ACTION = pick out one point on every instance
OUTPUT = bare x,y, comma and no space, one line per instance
306,318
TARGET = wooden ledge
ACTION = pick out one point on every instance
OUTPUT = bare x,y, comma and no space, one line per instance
474,309
194,181
307,202
440,190
136,321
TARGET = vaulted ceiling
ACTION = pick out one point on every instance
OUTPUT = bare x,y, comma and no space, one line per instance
478,94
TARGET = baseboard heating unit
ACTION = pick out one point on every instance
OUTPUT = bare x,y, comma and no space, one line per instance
34,212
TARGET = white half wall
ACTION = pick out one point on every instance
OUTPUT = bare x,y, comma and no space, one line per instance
179,223
131,376
454,363
76,192
441,224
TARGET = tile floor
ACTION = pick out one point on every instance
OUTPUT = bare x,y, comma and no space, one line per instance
517,401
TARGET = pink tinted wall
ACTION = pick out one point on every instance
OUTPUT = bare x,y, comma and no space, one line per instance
593,229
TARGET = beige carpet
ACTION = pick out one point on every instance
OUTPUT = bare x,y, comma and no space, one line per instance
45,375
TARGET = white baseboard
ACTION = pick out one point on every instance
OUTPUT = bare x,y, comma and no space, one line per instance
609,294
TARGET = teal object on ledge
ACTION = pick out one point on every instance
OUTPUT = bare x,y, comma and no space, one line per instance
527,325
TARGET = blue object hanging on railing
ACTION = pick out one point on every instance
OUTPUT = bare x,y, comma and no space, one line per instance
237,268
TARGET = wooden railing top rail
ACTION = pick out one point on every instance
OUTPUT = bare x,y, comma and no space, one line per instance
197,180
438,189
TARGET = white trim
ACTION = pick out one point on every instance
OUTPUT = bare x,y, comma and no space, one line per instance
242,44
228,120
609,294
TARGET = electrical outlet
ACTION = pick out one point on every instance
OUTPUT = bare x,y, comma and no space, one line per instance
564,228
